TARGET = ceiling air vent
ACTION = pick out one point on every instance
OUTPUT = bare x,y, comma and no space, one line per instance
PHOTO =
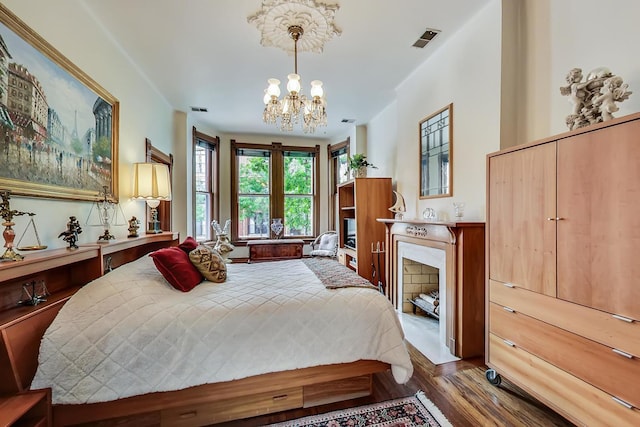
426,38
199,109
348,120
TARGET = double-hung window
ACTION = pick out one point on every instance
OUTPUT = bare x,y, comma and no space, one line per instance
205,171
274,182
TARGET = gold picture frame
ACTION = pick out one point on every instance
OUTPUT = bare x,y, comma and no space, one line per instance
58,127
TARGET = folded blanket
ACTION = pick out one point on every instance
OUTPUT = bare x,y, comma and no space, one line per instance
334,275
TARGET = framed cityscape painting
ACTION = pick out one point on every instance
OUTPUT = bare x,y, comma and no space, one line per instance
58,128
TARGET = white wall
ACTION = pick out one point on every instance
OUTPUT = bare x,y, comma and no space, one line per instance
383,153
464,71
561,35
69,28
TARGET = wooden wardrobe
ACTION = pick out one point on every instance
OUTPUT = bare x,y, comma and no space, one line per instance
563,265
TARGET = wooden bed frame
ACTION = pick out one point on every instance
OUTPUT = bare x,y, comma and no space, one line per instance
65,271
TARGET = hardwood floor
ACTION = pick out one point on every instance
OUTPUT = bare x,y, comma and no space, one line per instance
459,389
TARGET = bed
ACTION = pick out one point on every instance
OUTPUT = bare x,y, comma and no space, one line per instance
273,336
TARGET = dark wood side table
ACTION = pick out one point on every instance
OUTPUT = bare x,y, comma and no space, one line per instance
274,250
31,408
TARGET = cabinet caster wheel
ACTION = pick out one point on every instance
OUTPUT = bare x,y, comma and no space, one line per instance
493,377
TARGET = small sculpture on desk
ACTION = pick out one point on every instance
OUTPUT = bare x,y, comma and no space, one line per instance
134,225
223,244
70,235
399,207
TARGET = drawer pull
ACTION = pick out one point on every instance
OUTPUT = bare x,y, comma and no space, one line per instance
622,402
189,414
509,309
509,343
509,285
622,353
624,319
280,397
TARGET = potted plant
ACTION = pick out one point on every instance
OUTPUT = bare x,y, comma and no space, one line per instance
358,165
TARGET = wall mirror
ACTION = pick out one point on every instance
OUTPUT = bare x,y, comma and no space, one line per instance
436,144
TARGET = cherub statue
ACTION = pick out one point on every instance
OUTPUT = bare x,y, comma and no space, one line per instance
575,89
612,91
134,225
70,235
594,99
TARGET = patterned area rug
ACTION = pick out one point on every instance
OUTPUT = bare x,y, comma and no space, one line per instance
406,412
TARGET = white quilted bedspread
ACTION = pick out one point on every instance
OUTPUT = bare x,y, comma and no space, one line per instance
129,332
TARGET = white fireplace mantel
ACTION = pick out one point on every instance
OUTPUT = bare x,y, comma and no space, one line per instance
463,246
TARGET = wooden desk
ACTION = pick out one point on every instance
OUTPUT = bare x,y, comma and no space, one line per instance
274,250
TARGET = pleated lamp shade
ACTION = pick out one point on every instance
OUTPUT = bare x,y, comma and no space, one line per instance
151,182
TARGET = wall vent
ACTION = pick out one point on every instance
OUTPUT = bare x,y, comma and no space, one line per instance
348,120
199,109
426,38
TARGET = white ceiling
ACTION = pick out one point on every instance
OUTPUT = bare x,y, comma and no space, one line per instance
204,53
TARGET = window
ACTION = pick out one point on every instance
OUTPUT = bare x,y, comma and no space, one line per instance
338,173
254,193
273,181
298,193
205,176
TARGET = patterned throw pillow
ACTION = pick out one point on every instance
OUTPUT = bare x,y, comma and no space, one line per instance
209,263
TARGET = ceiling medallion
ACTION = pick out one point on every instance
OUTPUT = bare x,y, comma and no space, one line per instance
275,18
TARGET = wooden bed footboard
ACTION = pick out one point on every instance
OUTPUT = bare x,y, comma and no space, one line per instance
231,400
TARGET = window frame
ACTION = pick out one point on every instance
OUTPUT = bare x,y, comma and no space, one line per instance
276,181
212,145
334,178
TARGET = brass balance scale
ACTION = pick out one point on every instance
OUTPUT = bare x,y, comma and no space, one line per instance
7,214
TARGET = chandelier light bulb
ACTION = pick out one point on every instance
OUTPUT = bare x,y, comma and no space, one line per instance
316,89
294,83
274,87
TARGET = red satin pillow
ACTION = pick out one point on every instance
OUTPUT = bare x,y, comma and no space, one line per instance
188,245
174,265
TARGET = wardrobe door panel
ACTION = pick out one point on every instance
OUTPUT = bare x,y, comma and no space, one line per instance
522,213
599,233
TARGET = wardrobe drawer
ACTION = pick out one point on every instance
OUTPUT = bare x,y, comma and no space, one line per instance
590,323
594,363
231,409
577,400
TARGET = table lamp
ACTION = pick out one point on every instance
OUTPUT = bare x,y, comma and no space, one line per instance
152,183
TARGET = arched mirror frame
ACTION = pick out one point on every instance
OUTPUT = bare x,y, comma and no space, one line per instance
435,145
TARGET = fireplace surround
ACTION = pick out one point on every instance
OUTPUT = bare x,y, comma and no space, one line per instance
457,250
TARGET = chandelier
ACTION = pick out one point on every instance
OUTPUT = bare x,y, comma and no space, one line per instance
295,107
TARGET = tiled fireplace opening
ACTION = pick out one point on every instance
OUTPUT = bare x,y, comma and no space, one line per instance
420,285
414,257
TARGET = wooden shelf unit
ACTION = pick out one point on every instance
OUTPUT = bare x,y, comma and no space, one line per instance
28,409
364,199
